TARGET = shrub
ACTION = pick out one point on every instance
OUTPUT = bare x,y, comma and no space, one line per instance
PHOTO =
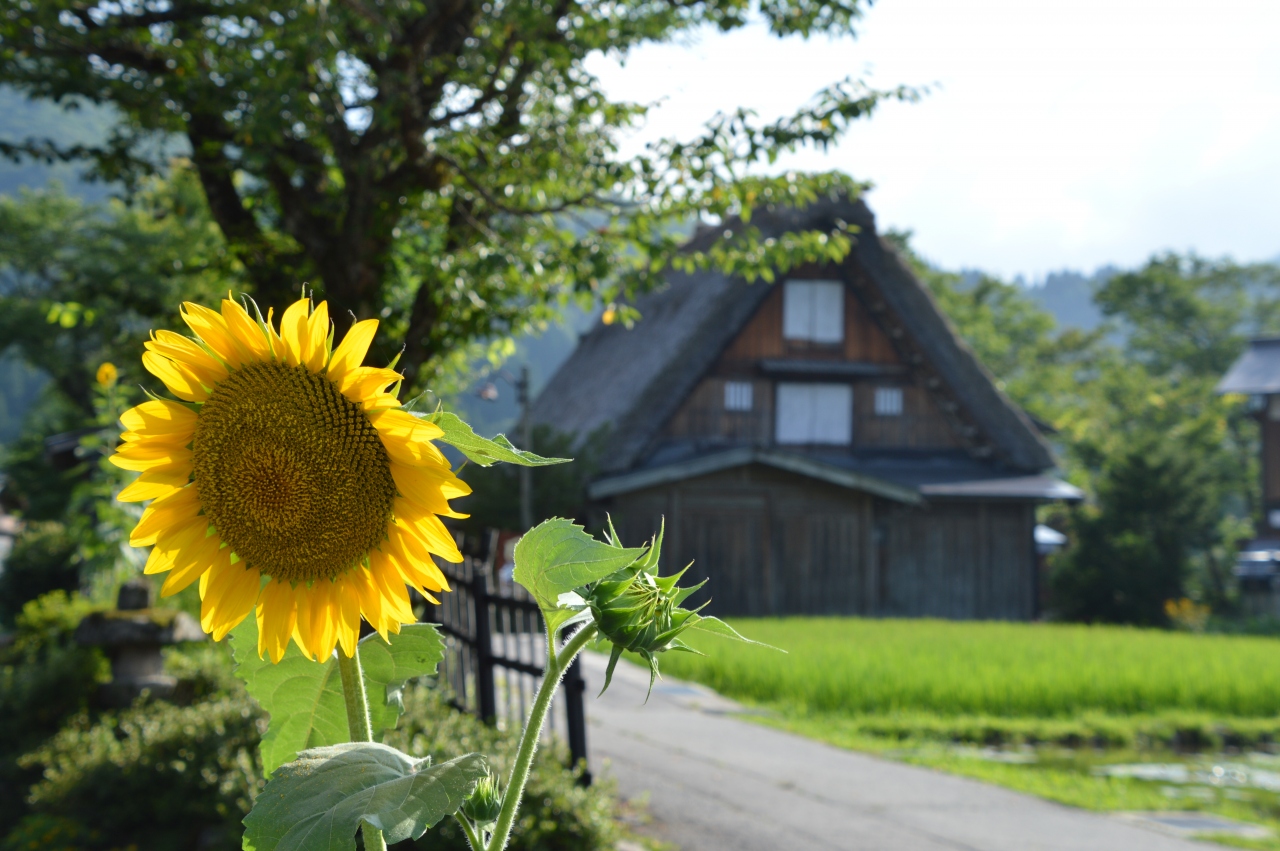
157,776
557,814
43,560
162,777
45,678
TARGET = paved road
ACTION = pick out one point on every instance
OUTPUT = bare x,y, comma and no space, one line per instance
716,783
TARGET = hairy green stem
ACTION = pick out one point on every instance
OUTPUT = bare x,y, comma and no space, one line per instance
358,726
557,664
474,836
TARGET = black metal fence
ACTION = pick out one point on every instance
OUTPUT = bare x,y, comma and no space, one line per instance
495,652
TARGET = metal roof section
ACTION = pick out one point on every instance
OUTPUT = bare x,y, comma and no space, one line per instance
1014,487
703,465
901,478
1257,371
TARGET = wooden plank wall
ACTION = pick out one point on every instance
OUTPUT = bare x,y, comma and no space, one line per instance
959,560
921,425
702,415
762,336
771,543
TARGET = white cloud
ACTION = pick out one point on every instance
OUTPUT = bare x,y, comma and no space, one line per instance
1057,135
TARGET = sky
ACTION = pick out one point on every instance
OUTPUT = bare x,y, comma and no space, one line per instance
1056,135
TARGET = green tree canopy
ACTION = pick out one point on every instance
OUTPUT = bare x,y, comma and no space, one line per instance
451,167
82,283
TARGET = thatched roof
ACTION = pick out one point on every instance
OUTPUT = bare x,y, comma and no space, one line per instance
631,381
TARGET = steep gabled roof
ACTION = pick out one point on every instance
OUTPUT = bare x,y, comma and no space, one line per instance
631,381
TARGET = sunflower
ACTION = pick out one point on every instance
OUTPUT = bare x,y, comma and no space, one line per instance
287,480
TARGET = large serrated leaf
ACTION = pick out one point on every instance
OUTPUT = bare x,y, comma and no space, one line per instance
317,802
415,652
304,698
558,556
482,450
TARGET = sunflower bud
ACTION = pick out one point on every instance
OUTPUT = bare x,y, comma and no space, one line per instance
637,610
485,802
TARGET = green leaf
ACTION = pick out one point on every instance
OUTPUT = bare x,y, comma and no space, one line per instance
482,450
557,556
317,802
304,698
415,652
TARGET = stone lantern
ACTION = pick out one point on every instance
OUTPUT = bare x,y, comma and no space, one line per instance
132,636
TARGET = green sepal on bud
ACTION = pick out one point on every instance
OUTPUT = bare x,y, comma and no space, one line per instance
485,803
638,611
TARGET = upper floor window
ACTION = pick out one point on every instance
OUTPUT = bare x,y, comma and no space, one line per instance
815,413
813,311
888,401
737,396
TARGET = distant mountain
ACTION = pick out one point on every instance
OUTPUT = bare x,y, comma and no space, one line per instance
542,353
22,119
1068,295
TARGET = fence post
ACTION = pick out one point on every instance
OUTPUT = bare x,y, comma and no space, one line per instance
484,645
574,686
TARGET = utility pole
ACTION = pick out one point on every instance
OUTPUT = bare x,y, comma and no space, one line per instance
526,443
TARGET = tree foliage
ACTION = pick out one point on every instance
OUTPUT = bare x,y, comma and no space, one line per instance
84,283
451,167
1170,467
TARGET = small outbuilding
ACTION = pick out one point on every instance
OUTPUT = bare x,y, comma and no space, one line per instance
823,445
1256,374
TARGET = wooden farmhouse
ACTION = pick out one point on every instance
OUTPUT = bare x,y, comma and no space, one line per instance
822,445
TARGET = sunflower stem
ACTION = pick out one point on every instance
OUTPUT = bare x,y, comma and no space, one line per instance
474,840
557,664
358,726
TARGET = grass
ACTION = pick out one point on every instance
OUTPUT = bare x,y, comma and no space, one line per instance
1041,708
948,668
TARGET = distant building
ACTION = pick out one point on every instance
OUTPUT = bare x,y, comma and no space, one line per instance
1257,374
825,444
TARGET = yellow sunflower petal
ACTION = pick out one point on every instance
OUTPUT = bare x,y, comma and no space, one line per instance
176,439
246,332
294,332
376,403
274,343
186,351
366,591
230,595
302,623
408,438
433,535
414,561
179,379
178,508
347,614
318,330
277,614
151,457
190,562
159,419
324,618
395,598
152,485
210,327
351,351
429,487
364,382
171,541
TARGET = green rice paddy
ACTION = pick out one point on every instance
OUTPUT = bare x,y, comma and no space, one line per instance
948,668
1060,711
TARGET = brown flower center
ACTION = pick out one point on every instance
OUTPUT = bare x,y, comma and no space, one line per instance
291,473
